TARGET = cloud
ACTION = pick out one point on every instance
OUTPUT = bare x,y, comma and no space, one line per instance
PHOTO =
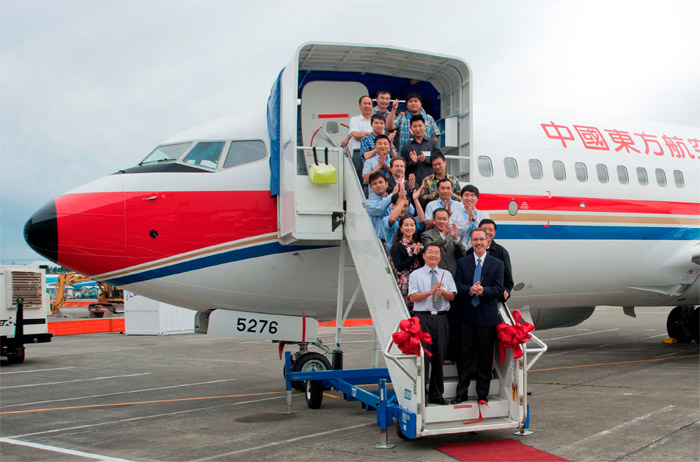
87,88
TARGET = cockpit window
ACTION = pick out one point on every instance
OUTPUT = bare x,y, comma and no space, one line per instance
205,154
243,152
166,153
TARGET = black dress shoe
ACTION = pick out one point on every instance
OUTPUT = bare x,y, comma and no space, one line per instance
440,401
460,399
484,398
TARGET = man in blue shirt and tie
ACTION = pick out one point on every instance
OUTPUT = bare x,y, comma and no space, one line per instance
431,290
479,280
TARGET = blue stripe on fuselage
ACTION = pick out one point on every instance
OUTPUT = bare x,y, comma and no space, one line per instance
625,233
505,231
212,260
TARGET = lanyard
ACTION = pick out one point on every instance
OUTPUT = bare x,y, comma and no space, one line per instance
471,225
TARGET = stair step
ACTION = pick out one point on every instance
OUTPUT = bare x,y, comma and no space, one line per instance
444,428
466,411
451,388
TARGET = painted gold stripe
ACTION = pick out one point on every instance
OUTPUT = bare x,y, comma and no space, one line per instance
549,217
188,256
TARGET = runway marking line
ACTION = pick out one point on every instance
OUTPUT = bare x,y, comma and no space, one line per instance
37,370
70,381
126,392
88,406
613,364
70,452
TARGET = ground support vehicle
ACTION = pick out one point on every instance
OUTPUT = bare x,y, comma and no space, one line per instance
23,310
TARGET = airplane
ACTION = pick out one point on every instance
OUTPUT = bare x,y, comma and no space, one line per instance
594,211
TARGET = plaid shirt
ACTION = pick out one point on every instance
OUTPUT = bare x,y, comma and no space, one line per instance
367,144
403,124
428,191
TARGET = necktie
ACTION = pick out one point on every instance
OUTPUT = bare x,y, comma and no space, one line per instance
477,278
433,281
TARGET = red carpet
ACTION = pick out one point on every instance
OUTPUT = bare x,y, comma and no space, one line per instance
497,451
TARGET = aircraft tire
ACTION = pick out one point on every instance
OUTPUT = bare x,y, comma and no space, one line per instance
695,325
679,323
306,362
314,393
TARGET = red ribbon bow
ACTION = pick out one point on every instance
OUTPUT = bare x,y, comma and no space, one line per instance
514,336
409,337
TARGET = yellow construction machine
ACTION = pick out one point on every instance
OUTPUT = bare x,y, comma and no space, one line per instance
109,299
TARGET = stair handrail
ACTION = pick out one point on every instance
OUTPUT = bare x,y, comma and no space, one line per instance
507,317
420,368
538,351
358,187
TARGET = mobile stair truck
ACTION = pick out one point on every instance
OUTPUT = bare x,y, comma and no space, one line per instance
308,115
24,306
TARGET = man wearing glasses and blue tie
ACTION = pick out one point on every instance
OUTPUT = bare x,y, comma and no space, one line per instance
479,280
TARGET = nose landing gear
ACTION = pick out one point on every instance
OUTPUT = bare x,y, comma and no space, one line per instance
683,324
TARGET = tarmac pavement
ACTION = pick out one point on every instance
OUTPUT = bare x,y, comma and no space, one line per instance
608,389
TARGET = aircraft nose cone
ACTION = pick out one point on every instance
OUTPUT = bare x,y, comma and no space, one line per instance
41,232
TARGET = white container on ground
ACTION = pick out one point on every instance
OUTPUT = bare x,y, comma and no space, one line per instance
145,316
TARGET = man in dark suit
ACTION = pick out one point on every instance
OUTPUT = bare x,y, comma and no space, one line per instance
445,236
498,251
479,280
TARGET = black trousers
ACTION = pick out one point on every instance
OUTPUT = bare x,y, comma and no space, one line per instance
439,329
476,344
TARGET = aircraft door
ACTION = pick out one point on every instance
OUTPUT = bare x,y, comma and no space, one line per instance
308,211
326,108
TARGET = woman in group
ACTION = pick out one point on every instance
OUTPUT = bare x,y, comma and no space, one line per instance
406,254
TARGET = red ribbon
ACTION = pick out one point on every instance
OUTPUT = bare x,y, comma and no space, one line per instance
481,418
514,336
410,336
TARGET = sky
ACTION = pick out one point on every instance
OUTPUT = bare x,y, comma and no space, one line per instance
88,88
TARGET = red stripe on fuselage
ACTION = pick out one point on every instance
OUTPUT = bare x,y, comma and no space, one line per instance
573,204
105,232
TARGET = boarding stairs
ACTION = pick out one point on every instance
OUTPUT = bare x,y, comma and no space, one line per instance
507,406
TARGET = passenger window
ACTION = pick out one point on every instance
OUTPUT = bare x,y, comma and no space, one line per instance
602,171
622,174
559,170
511,166
205,154
485,166
642,176
535,169
661,177
678,178
244,152
581,171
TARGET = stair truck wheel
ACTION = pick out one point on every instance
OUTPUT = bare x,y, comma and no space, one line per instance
314,393
400,433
